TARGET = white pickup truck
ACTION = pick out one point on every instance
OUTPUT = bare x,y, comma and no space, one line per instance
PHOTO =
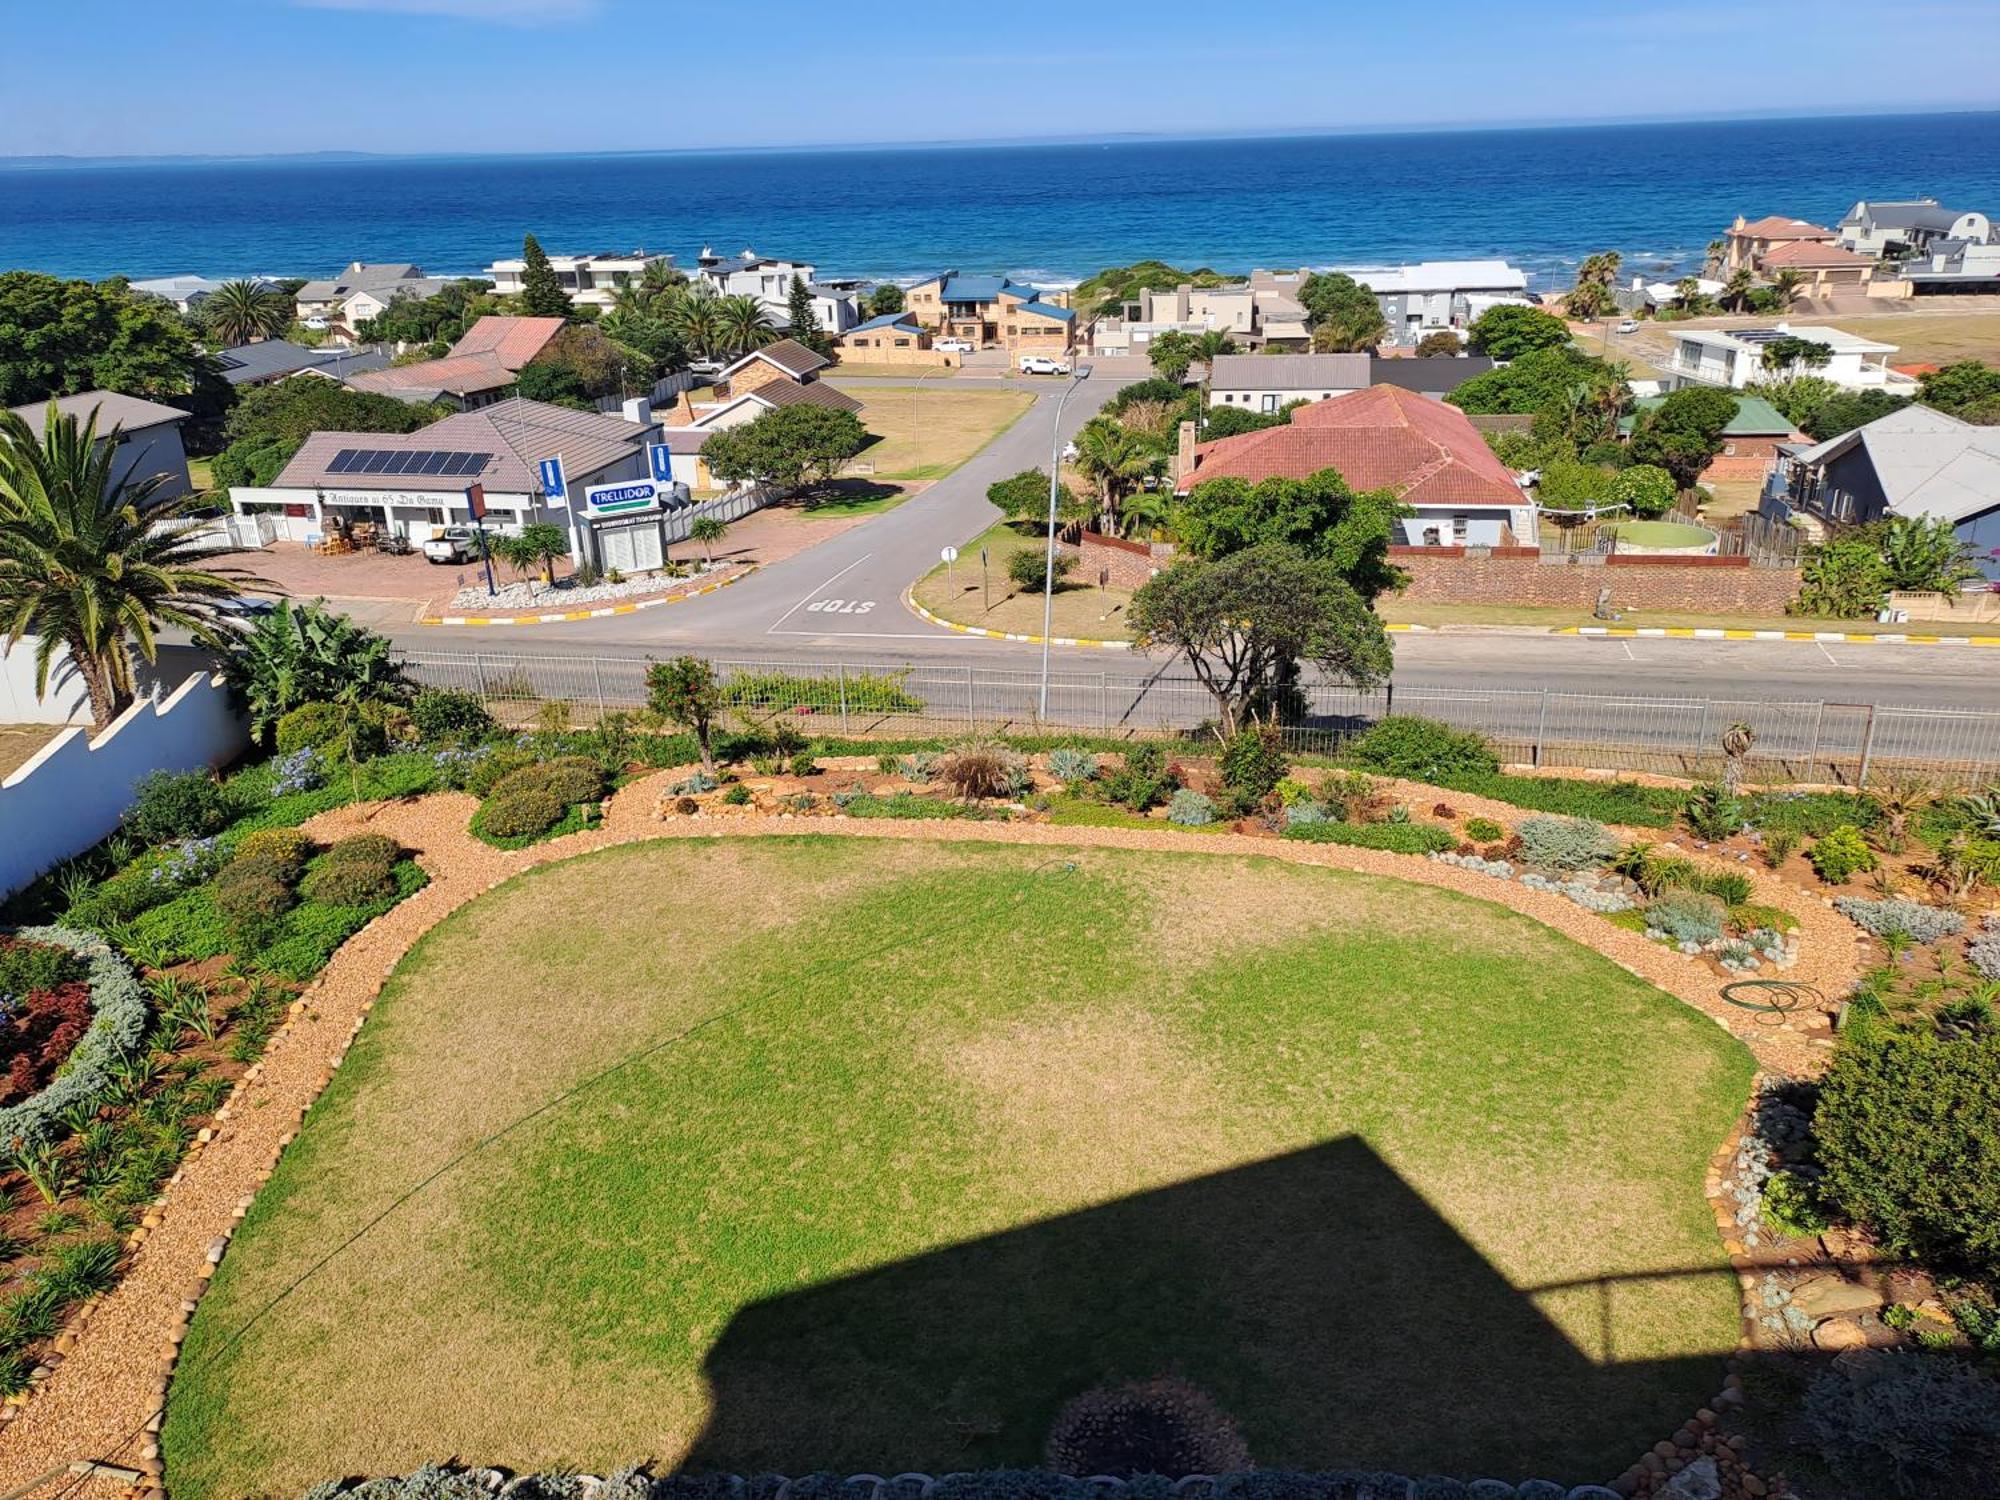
454,544
1042,364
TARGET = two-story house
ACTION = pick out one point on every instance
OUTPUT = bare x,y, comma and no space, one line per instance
1908,226
591,280
1433,294
990,312
330,301
768,278
1746,242
1735,358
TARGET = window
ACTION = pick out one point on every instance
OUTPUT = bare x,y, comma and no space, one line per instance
1270,402
902,343
1433,537
434,514
1459,527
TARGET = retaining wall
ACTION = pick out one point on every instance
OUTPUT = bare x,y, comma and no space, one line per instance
1129,564
75,791
1519,575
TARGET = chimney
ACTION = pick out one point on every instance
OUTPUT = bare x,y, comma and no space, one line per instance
1184,454
639,411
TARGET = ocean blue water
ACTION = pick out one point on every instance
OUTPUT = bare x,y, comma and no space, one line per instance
1049,213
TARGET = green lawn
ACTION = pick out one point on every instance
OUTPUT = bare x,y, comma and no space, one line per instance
1081,610
901,1145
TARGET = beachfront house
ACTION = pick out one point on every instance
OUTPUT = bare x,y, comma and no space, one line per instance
990,312
1735,358
148,433
1912,462
1952,268
1436,462
1746,242
1434,294
1909,226
591,280
187,293
768,278
325,303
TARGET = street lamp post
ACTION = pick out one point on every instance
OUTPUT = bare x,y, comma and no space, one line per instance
1049,558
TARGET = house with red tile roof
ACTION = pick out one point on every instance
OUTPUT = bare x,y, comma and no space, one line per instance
1825,268
1384,438
1748,241
476,371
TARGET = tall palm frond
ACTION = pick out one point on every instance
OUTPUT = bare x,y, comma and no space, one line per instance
97,564
744,324
238,312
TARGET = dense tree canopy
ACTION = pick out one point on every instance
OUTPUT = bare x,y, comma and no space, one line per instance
1344,315
885,299
1318,516
542,294
1684,432
794,447
266,428
1246,620
582,363
1171,353
1532,382
61,337
1966,389
443,316
1025,497
1508,331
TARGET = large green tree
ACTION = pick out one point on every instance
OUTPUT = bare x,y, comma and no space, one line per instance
1684,432
794,448
1025,497
98,566
1508,331
542,294
1532,382
441,317
1116,460
267,426
61,337
1319,516
1171,353
885,299
1344,315
1245,621
801,322
1966,388
742,324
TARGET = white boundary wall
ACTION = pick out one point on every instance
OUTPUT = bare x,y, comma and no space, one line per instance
66,703
74,792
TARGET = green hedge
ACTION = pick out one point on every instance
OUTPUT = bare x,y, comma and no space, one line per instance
864,692
1396,838
1625,802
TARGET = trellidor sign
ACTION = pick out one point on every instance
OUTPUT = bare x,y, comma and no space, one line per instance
628,497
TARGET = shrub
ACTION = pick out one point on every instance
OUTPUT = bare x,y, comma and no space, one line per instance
982,768
1779,844
737,796
1914,920
1164,1426
1712,812
1423,749
1730,887
1909,1136
523,813
177,805
1300,814
1396,838
444,717
313,726
1253,763
283,851
1028,569
920,767
1484,831
1840,855
803,764
1791,1206
1984,950
1922,1426
27,966
1354,797
570,779
489,772
1625,802
366,848
348,882
1687,916
1746,916
249,897
863,692
1142,781
1564,843
1810,814
1190,809
1072,766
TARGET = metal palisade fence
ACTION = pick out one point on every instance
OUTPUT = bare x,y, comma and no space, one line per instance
1807,741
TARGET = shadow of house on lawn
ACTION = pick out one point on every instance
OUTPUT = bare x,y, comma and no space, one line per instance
1315,1296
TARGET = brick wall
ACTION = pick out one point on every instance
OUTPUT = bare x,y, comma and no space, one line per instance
1517,575
1129,563
752,376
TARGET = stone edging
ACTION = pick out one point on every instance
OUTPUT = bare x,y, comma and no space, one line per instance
98,1399
602,612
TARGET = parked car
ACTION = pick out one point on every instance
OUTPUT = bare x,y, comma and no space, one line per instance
1630,325
454,544
953,346
1042,364
245,607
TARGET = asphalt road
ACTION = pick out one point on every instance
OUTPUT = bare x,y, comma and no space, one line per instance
842,600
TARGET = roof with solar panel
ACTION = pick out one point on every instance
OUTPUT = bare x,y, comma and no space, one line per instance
498,445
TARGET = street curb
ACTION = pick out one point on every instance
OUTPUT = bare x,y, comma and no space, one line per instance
1830,637
1059,640
602,613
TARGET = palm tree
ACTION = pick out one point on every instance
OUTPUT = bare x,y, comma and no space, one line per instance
240,312
743,324
1115,460
1736,291
1207,348
708,531
97,564
695,320
1145,512
1789,285
1713,257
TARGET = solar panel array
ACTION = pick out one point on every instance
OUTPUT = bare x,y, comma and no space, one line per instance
426,462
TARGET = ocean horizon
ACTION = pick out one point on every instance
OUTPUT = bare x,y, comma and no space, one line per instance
1048,213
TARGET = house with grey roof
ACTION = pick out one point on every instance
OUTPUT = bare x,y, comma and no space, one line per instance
325,302
187,292
1909,225
271,360
1913,462
768,278
1269,382
148,434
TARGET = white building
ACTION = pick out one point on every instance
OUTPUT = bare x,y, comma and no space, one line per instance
590,280
1909,225
416,483
187,292
1734,358
326,302
1266,383
768,278
1433,294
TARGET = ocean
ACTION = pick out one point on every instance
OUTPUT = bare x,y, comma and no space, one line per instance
1048,214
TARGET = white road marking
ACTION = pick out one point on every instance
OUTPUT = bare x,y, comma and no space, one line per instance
1628,650
1826,653
813,593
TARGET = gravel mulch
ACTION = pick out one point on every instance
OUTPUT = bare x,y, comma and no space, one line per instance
102,1399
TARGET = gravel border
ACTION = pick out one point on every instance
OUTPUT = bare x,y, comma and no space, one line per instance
103,1396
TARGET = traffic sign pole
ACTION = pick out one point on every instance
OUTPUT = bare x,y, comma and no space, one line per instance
475,501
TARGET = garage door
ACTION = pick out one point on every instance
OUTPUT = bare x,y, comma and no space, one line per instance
630,549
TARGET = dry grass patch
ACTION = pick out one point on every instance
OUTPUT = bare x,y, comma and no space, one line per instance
925,433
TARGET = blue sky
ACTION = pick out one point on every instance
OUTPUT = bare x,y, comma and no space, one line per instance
135,77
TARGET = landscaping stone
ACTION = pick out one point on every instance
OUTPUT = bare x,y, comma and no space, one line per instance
1831,1296
1838,1333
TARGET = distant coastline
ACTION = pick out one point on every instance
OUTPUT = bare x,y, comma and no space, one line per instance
1542,197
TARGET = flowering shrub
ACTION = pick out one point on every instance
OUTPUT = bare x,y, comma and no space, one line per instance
189,862
301,771
1914,920
455,764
